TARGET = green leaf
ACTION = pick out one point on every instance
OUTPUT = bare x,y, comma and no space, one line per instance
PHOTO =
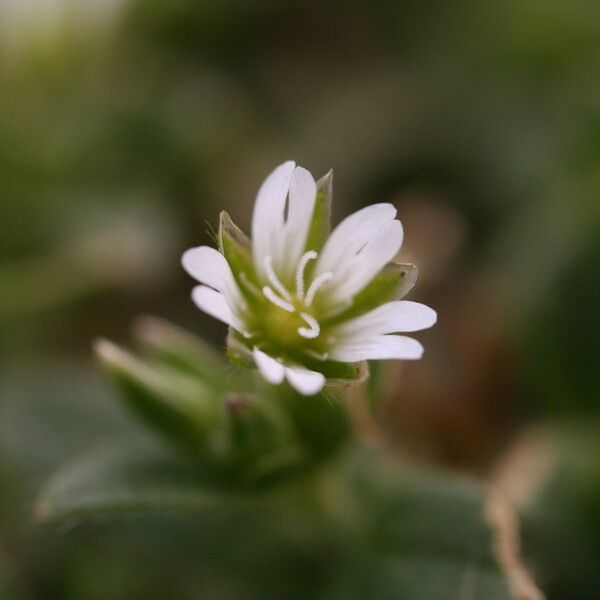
394,282
423,536
446,512
176,405
395,532
418,578
131,476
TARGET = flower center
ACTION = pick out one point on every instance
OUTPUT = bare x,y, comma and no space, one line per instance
299,321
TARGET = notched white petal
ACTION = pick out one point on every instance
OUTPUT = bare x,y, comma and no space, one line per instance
414,316
303,194
381,248
381,347
272,370
304,381
215,304
268,216
347,239
206,265
211,268
392,317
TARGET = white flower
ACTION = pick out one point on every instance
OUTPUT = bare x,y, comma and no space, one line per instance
303,304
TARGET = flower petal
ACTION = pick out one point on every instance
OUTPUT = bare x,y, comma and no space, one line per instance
304,381
303,193
272,370
347,239
380,347
393,317
215,304
208,266
268,216
356,272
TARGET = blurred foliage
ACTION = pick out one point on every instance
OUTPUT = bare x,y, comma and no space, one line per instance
355,532
127,125
565,516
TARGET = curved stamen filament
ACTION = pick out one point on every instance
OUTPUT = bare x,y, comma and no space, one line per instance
274,280
313,329
315,285
276,300
306,257
248,284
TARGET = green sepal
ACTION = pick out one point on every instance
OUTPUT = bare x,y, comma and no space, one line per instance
408,274
238,350
236,247
393,282
339,373
320,225
176,405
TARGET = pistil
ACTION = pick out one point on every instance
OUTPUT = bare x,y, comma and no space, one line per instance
279,295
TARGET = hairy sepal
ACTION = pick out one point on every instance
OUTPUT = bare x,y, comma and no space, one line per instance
392,283
236,247
320,225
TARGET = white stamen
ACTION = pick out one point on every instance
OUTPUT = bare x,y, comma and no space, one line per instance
274,280
310,255
314,330
317,355
248,284
238,304
315,285
276,300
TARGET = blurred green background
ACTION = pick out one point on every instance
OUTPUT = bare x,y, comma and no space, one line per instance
127,125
